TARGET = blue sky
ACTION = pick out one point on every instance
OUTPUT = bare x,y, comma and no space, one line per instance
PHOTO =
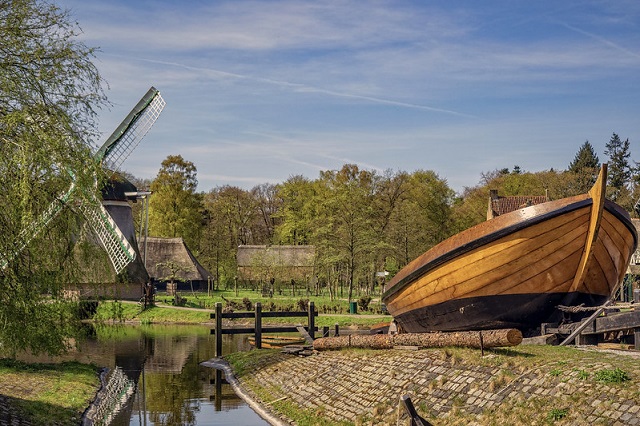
259,91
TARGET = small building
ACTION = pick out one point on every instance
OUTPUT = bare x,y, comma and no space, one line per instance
499,205
261,263
167,257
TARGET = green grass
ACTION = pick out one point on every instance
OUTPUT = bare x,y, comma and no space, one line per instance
615,375
285,301
49,393
109,311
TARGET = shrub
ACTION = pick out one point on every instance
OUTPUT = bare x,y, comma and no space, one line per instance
363,303
557,414
615,375
303,304
247,304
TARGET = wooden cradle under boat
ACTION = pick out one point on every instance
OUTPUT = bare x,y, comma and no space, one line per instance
515,269
272,342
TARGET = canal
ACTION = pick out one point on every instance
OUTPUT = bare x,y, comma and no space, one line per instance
168,384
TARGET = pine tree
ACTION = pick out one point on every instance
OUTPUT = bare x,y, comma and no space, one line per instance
619,169
586,158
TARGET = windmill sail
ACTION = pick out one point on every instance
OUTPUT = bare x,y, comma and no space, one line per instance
112,154
130,132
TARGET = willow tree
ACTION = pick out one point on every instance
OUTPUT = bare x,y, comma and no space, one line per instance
49,95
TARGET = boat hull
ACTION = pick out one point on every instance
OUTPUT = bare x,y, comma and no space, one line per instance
514,270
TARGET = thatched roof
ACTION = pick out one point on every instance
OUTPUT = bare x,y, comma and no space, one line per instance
499,205
283,256
162,251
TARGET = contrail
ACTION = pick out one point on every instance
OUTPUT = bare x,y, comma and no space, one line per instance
602,40
298,87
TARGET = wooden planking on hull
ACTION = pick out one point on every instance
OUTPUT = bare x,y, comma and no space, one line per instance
567,250
457,279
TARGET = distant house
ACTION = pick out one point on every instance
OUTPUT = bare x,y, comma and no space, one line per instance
261,263
499,205
167,256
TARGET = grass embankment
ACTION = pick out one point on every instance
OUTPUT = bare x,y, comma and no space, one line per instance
551,364
165,313
45,394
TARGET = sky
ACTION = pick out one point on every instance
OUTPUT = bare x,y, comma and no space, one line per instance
260,91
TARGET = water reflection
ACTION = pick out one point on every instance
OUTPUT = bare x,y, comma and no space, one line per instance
171,386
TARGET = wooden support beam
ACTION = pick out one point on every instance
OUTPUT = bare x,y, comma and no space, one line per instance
218,329
416,420
304,334
258,326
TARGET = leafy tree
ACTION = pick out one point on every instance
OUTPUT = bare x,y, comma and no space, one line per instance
175,207
345,232
267,205
297,195
231,215
423,219
49,94
619,170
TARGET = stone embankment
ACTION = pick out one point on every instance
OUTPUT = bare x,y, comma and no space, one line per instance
523,386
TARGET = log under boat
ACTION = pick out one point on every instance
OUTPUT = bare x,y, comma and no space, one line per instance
514,270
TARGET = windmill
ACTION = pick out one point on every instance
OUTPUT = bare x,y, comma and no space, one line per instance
110,156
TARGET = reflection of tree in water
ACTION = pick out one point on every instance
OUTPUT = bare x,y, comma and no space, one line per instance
173,398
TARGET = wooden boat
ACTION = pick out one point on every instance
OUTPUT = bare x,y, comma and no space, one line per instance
514,270
271,342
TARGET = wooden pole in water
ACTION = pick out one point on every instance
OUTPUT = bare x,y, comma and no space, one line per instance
258,326
311,323
218,329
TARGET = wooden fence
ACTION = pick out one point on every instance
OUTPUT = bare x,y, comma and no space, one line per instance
257,330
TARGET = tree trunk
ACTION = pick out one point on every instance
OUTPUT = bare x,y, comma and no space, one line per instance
470,339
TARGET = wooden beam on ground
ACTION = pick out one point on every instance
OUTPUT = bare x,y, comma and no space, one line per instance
584,324
305,334
471,339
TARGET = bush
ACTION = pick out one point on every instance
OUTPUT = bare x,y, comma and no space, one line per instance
303,305
247,304
363,303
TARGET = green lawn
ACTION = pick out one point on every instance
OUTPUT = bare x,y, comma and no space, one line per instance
48,393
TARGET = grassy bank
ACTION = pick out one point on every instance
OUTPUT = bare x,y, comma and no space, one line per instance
165,313
47,394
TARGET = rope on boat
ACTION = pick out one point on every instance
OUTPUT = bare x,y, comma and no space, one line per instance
578,308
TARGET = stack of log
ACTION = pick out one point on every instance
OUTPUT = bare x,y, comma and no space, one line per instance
470,339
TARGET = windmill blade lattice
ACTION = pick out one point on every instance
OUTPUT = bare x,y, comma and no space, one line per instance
114,242
131,131
112,154
34,228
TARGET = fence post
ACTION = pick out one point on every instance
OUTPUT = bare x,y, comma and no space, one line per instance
258,325
336,330
218,329
312,322
325,331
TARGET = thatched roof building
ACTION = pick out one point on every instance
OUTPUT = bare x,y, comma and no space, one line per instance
283,263
499,205
165,254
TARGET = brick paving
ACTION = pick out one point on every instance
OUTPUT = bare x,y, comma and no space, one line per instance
363,388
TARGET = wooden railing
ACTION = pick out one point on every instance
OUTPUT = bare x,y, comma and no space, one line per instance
257,330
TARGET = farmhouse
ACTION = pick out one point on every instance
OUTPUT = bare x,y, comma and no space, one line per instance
261,263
